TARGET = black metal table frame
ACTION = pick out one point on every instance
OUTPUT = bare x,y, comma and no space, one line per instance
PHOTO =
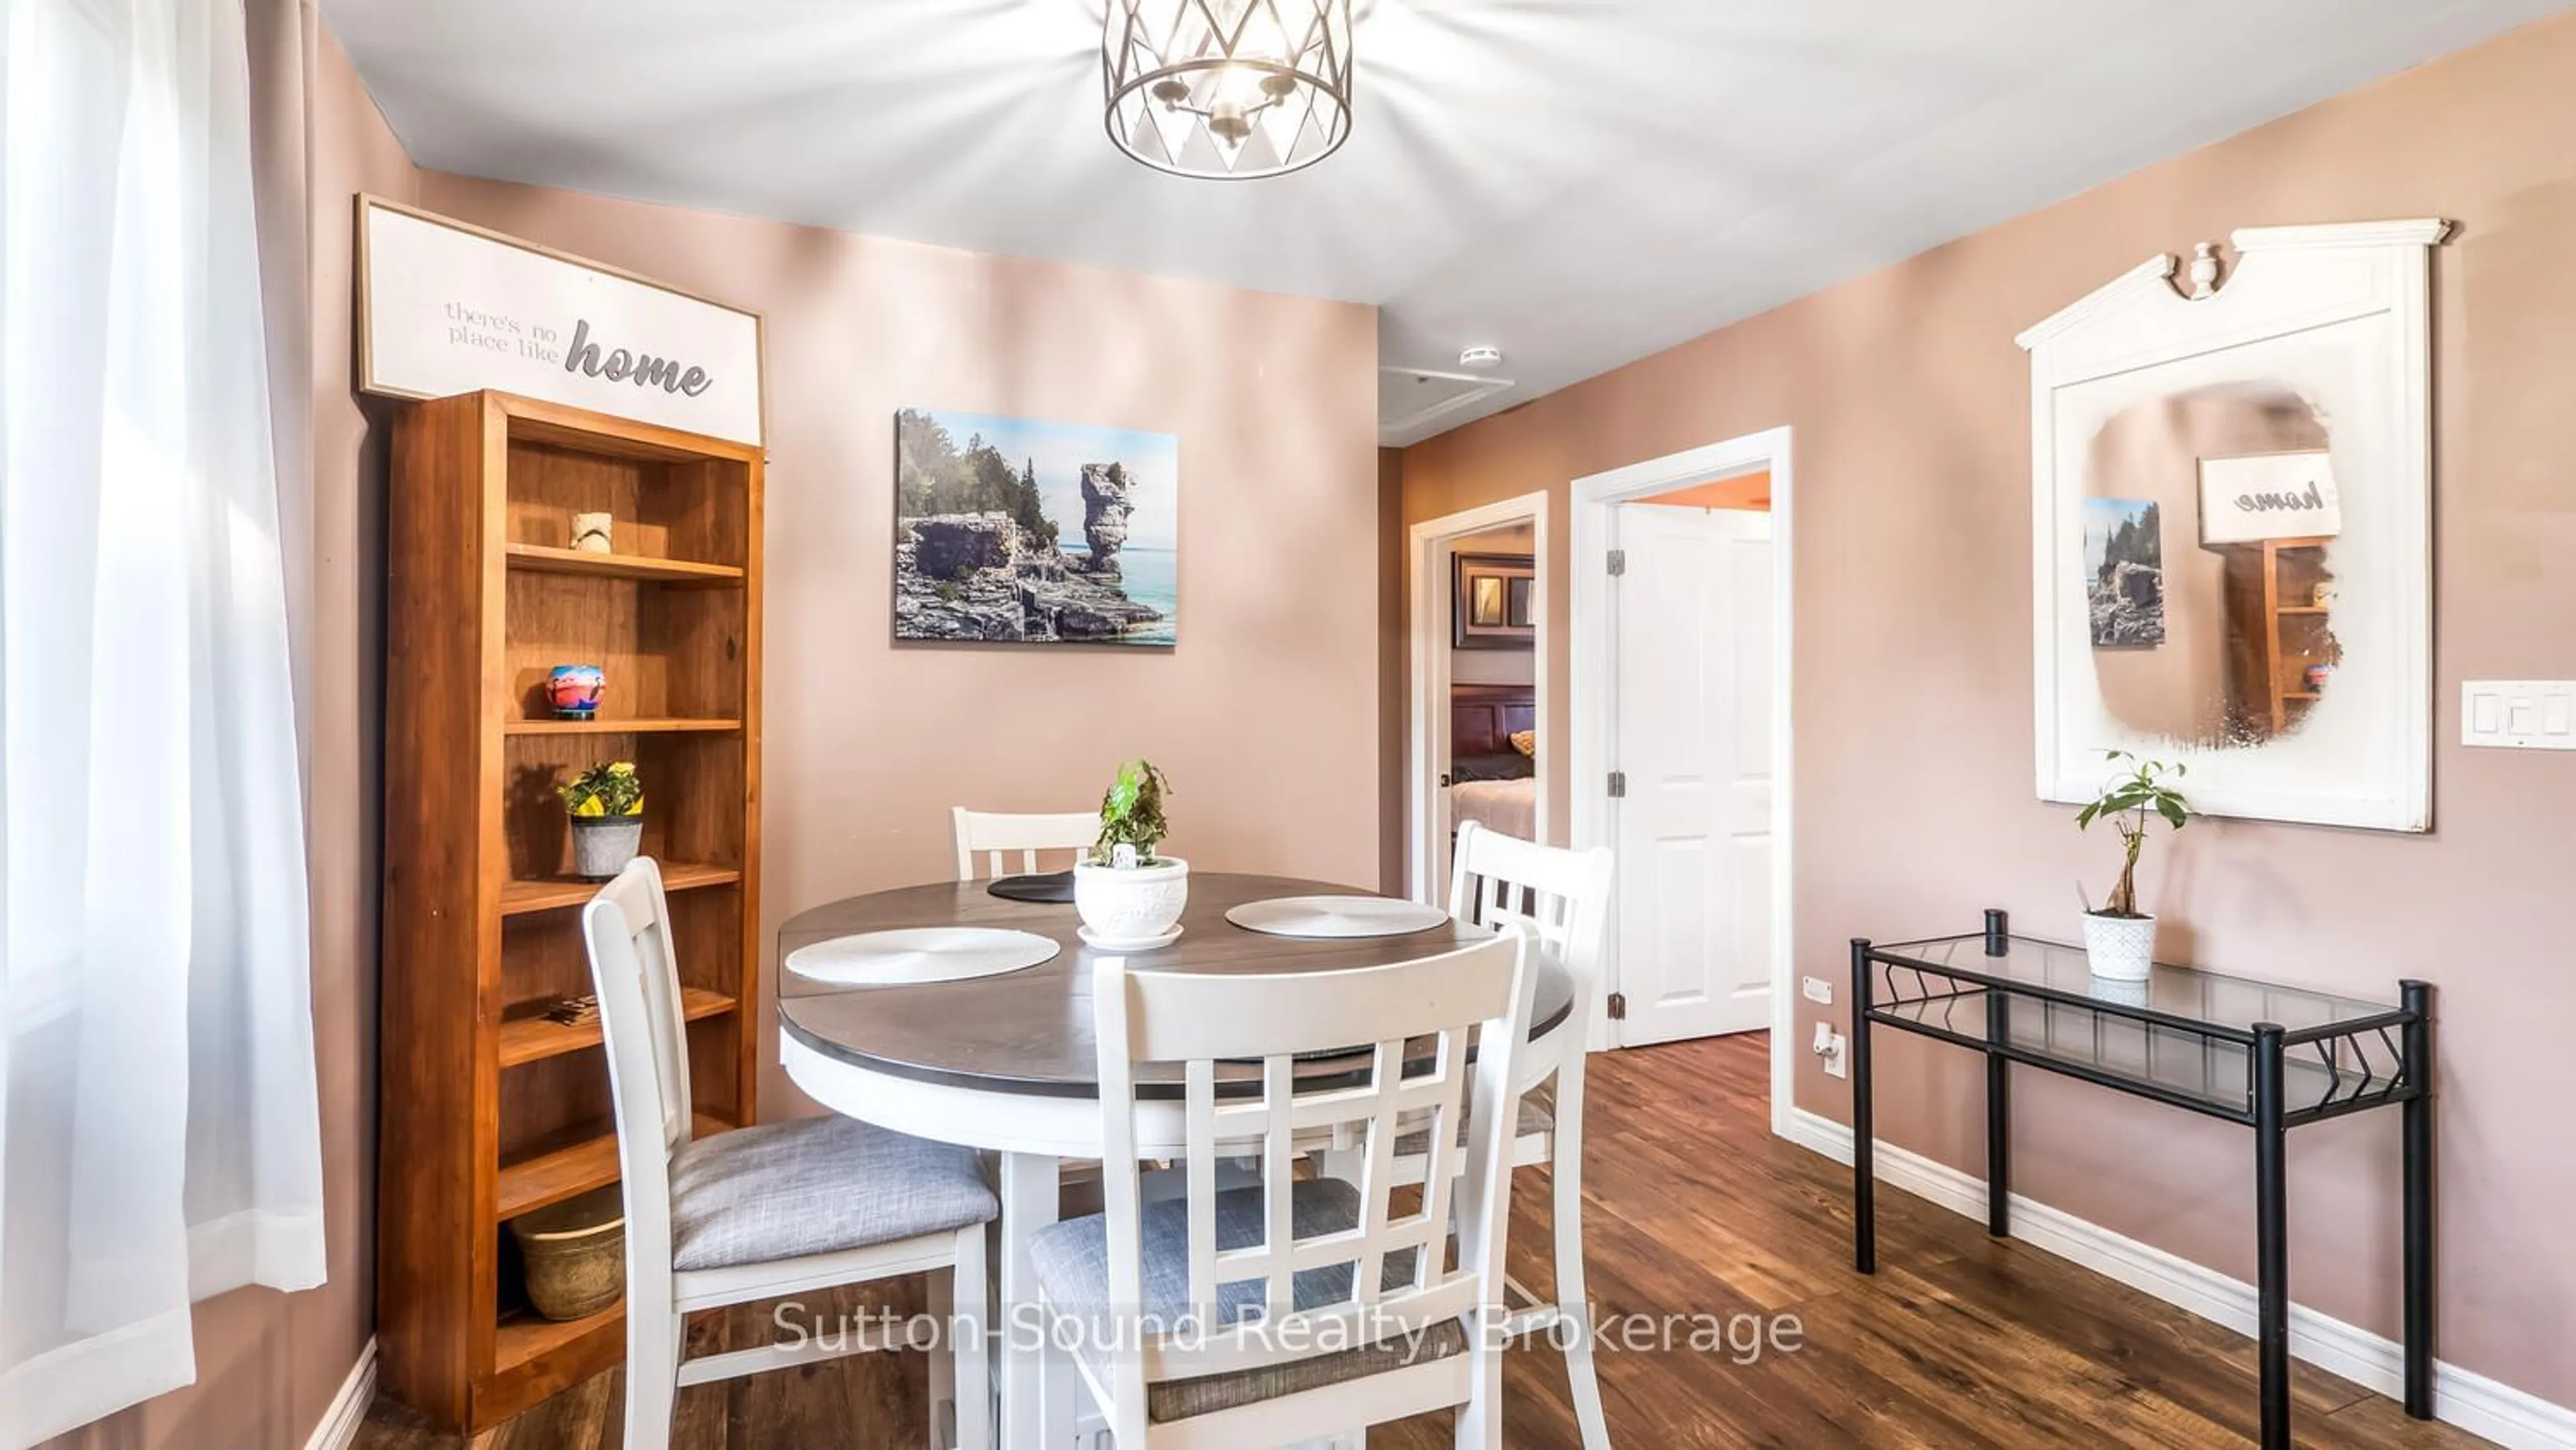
2267,1047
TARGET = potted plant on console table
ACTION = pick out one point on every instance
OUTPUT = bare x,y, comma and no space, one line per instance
2119,939
1129,897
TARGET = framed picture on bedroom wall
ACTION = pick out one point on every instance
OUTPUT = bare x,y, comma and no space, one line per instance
1490,601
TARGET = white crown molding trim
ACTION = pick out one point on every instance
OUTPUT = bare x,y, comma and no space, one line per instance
2420,232
2510,1417
2160,269
2155,271
348,1411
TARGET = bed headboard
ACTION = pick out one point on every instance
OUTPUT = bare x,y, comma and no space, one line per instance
1482,718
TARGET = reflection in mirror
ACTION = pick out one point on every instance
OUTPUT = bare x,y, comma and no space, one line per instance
2208,518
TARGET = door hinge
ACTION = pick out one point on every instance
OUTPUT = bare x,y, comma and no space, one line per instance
1618,1006
1618,785
1618,562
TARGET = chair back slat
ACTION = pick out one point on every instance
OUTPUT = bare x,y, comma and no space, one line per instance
1238,1039
1278,1165
996,837
1561,897
645,1036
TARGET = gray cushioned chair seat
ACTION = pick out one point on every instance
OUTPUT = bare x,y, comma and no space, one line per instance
816,1186
1071,1262
1534,1119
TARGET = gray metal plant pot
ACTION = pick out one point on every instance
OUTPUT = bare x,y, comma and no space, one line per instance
602,845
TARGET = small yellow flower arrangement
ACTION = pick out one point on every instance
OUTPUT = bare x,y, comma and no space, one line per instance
611,789
606,806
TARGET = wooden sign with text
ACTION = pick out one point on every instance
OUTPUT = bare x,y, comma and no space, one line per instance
445,307
2269,496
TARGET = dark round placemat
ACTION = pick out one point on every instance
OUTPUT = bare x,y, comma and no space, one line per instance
1050,886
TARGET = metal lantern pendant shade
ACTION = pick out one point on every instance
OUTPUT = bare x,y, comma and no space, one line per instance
1228,88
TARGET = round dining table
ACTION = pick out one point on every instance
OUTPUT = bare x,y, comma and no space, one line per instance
1006,1063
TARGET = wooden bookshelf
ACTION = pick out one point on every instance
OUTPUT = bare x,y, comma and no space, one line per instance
524,1339
532,1036
2276,630
546,559
553,893
616,725
489,1110
567,1164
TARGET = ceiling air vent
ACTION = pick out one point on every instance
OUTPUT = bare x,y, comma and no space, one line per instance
1412,401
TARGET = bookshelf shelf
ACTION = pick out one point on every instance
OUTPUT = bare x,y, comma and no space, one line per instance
490,1110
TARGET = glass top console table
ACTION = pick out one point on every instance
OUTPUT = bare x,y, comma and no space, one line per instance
2267,1056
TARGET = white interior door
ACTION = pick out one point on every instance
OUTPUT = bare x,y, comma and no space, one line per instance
1693,740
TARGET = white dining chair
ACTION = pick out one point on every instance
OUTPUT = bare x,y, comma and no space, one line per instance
1293,1310
990,834
763,1212
1561,898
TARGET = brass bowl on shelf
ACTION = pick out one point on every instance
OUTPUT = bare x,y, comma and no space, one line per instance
574,1253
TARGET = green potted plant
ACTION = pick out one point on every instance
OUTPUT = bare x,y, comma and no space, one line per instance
606,806
2119,939
1129,895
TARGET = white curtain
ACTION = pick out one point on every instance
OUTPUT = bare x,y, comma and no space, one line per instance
159,1136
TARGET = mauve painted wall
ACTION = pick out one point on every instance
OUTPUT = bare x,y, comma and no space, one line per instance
1914,802
1265,715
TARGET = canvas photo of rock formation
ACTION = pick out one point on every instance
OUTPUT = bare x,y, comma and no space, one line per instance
2124,560
1018,531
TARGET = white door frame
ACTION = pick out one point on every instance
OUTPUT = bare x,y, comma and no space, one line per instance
1426,557
1594,645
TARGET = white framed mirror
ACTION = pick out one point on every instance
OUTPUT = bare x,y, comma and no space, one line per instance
2231,497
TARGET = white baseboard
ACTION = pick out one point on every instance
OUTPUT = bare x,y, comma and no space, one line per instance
339,1427
2475,1403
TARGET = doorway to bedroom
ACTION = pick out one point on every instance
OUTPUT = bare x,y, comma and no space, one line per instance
1481,746
1679,739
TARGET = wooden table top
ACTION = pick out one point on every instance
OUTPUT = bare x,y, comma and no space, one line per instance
1030,1031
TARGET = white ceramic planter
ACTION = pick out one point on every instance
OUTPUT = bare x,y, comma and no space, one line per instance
2120,948
1133,904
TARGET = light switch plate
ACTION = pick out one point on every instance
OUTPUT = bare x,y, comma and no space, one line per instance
1819,990
2518,714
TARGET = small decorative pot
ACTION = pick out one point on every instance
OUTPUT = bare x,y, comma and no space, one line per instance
602,845
574,691
1131,903
2317,675
2120,948
591,532
575,1254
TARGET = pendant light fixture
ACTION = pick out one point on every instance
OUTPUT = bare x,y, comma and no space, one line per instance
1228,89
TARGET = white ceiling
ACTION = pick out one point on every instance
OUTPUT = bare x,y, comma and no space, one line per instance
1578,182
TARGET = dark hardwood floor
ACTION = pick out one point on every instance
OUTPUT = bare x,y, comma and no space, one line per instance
1694,1208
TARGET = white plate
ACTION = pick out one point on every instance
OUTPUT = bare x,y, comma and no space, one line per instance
1336,916
1146,944
920,954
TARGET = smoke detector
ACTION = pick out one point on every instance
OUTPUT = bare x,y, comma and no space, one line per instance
1481,357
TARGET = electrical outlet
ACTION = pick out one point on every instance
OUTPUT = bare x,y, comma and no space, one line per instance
1818,990
1829,1046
